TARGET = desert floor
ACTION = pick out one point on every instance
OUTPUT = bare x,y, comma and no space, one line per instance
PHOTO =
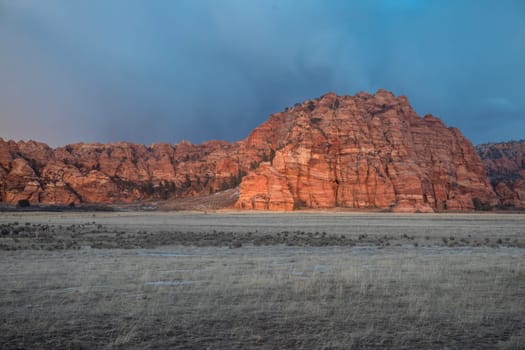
238,280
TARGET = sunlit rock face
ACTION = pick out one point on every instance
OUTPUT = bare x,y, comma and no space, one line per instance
115,173
505,164
366,151
362,151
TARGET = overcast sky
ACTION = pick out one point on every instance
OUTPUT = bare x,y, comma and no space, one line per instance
162,71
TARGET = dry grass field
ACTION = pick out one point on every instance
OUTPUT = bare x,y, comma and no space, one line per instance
264,281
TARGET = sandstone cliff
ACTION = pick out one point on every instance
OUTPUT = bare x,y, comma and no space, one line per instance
118,172
362,151
505,164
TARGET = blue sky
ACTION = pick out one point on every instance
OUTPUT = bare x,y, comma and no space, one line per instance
168,70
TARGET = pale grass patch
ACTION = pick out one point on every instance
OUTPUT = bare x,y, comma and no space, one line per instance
250,296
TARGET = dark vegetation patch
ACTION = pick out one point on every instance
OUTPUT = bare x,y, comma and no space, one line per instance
72,207
24,236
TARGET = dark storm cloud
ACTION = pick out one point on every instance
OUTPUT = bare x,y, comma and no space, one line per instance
149,71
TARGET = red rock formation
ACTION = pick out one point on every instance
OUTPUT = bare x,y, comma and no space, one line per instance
505,164
362,151
265,189
21,183
118,172
367,151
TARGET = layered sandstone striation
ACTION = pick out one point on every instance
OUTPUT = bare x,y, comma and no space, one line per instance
115,173
362,151
365,151
505,164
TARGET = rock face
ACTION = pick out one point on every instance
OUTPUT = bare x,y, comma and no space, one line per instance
505,164
362,151
113,173
265,189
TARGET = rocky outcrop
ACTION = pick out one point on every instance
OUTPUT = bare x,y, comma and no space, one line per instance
366,151
505,165
265,189
116,173
362,151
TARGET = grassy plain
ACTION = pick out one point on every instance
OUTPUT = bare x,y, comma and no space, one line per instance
261,280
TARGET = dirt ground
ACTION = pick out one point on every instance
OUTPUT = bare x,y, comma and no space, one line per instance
236,280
